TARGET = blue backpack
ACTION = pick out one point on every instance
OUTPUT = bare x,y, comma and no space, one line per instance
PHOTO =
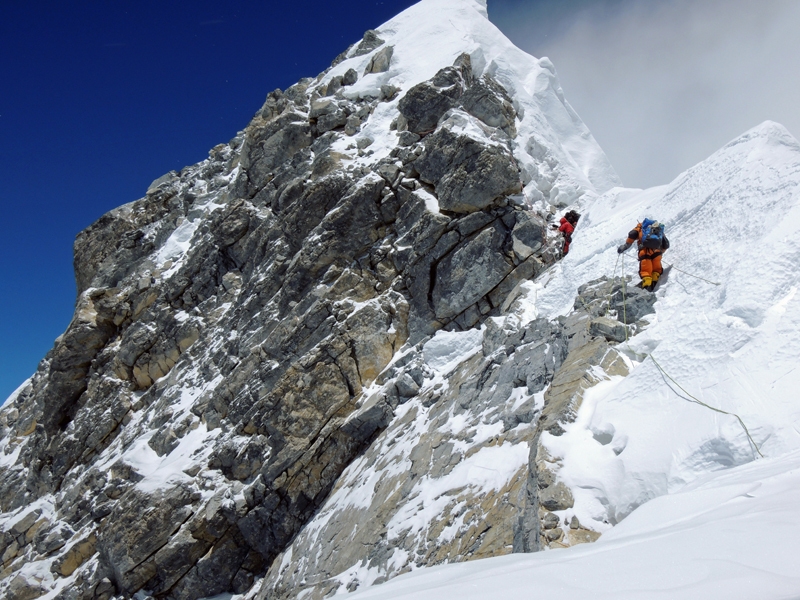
652,234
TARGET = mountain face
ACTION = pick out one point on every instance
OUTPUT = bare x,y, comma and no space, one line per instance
278,349
694,456
345,346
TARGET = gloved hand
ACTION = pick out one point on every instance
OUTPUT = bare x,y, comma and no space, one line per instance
622,248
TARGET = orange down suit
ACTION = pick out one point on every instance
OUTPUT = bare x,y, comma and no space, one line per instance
649,258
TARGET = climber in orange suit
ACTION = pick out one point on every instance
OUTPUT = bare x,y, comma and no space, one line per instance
652,243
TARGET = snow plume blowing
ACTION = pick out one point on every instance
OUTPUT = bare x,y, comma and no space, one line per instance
346,347
663,84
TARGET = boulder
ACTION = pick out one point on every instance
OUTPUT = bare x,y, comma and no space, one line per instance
632,304
22,588
488,100
610,329
556,497
368,43
529,234
380,61
350,77
426,103
468,174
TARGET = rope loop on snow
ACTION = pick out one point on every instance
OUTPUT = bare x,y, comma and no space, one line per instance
666,375
691,275
701,403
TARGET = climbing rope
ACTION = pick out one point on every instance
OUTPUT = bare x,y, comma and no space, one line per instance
666,375
691,275
611,286
701,403
624,299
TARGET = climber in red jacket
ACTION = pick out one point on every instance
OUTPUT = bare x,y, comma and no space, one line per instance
568,223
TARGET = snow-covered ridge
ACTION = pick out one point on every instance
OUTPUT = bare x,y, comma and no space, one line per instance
554,147
733,220
683,485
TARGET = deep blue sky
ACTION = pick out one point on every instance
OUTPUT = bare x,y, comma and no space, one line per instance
100,98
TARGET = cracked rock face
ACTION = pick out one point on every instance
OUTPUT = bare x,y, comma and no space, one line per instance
463,471
252,343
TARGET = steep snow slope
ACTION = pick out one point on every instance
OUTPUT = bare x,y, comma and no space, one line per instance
732,219
706,542
713,519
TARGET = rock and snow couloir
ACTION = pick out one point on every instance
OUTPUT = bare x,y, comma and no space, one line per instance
340,349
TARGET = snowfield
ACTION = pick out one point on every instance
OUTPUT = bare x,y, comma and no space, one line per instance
733,535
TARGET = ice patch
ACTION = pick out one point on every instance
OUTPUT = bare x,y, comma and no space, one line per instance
447,349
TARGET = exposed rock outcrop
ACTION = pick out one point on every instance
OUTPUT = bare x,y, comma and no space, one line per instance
463,471
266,319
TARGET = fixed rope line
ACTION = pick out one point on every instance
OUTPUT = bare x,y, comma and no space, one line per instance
691,275
624,299
672,379
701,403
611,286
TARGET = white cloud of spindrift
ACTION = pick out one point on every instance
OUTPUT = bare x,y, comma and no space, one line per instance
664,83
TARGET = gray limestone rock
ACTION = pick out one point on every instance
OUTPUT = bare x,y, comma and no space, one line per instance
529,234
556,497
388,92
469,272
331,121
468,175
380,61
426,103
368,43
21,588
163,182
611,329
407,138
350,77
334,85
352,125
406,386
489,101
267,146
632,304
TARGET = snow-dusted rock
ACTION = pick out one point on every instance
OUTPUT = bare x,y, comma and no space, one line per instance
257,322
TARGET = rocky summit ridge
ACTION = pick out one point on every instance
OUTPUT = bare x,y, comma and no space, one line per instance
295,367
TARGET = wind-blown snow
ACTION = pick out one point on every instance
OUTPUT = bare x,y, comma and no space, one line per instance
447,349
557,153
